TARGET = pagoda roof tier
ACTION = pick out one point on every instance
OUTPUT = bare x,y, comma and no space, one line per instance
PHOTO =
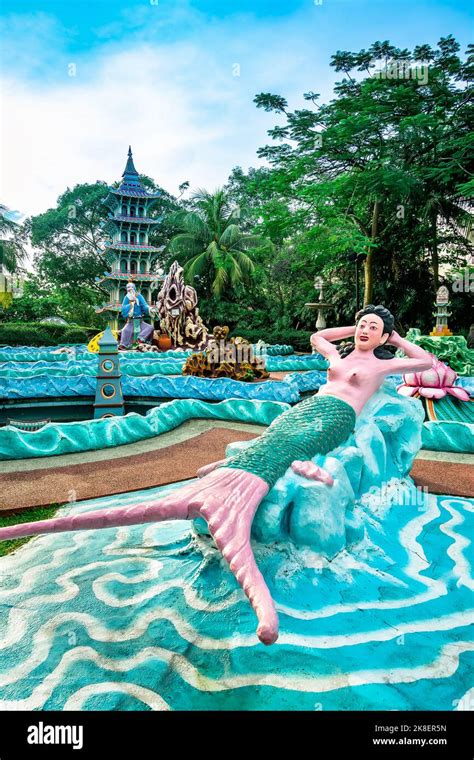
135,219
112,200
130,187
128,277
134,248
132,190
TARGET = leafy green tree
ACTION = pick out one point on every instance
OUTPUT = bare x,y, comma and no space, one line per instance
12,239
212,244
389,156
68,240
40,300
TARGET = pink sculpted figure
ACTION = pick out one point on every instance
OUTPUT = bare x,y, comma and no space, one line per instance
228,492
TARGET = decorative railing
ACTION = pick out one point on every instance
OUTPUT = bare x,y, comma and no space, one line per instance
28,425
144,219
132,276
129,191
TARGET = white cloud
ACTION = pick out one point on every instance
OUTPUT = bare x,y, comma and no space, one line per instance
178,104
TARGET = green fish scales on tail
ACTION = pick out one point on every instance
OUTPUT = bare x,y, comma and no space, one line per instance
316,425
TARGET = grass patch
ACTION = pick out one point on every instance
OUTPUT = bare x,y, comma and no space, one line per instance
10,517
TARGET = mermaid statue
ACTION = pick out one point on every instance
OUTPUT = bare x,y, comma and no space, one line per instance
228,492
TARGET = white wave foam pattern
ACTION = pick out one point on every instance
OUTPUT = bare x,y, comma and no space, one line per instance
193,600
351,563
43,639
408,536
17,625
466,702
148,539
71,589
119,544
16,628
462,567
147,696
429,625
444,666
26,554
416,563
466,504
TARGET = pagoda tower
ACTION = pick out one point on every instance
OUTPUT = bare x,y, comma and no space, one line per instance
129,253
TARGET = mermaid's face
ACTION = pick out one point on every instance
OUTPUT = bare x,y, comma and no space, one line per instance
370,333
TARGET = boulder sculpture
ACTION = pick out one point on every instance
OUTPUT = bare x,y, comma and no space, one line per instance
177,309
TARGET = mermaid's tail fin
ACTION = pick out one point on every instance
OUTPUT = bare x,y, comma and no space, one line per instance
230,523
227,499
166,509
207,468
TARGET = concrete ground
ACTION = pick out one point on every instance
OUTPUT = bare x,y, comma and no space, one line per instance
170,458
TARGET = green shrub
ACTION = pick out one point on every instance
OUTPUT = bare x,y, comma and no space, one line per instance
79,334
36,334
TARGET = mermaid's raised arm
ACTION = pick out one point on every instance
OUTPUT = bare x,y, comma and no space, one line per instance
416,360
323,339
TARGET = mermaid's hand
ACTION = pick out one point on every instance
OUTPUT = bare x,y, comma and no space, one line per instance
311,471
307,469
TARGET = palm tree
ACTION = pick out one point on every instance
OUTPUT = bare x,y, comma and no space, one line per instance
12,253
212,244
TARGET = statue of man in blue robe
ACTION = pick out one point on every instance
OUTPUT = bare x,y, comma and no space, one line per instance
134,308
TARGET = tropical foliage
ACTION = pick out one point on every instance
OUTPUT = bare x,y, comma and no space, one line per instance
12,238
215,249
375,184
382,171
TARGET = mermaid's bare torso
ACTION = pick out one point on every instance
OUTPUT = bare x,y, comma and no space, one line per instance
354,379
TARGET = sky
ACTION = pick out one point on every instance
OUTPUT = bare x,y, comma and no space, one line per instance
82,79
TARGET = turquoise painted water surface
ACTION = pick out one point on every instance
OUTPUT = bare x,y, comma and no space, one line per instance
150,617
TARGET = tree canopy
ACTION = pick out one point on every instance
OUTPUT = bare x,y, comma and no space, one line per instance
380,179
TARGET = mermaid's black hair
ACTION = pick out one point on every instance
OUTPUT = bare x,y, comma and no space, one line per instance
388,324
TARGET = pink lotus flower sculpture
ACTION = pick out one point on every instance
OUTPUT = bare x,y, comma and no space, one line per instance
433,383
